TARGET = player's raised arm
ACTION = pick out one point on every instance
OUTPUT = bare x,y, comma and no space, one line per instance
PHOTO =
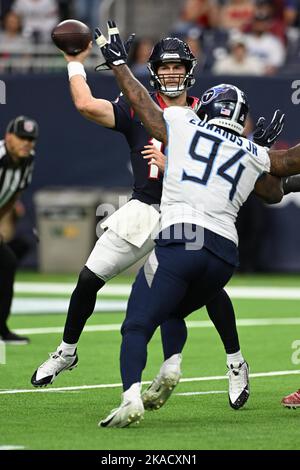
269,188
285,162
150,114
97,110
115,57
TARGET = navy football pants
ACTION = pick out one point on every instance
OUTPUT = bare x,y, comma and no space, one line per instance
157,294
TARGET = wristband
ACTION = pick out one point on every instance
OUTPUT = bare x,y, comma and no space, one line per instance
76,68
291,184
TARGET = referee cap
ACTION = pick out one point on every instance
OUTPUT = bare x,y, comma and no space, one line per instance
23,127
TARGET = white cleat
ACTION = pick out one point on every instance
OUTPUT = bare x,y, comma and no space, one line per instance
239,389
49,370
160,390
129,412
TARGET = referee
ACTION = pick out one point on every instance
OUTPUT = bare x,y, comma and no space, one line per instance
16,167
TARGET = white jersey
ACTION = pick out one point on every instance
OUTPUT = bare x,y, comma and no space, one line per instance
210,173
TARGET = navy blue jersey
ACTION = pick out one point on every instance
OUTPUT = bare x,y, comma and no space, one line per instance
147,188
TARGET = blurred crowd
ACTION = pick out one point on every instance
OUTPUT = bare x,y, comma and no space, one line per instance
26,26
228,37
237,37
33,20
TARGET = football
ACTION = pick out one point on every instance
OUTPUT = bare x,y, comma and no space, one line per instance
71,36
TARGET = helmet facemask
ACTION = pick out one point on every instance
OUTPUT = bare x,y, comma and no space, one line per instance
160,81
171,50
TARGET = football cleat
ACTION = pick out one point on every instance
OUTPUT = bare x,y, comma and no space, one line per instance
49,370
160,390
292,400
129,412
12,338
239,389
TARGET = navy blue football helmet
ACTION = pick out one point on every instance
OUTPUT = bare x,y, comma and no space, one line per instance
166,51
225,106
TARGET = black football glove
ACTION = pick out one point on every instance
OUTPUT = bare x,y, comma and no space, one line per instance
266,136
114,51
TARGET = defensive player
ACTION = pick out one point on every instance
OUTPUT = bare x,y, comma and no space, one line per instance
171,66
211,172
16,167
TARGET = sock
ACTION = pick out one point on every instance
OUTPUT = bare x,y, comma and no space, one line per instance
173,336
172,363
67,349
133,391
221,313
133,357
82,304
235,358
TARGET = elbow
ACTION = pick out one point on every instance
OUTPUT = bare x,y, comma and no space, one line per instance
84,107
274,197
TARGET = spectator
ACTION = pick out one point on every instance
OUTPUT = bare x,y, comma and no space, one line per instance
193,40
291,13
141,51
11,40
237,14
88,11
38,17
269,8
238,61
200,13
5,6
264,45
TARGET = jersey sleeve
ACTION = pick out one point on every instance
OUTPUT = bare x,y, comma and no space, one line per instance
174,113
263,159
123,115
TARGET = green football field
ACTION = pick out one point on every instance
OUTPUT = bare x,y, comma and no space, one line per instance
197,416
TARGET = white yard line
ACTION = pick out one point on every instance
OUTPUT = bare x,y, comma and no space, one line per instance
192,379
236,292
60,329
23,306
190,324
284,293
211,392
34,305
66,288
11,447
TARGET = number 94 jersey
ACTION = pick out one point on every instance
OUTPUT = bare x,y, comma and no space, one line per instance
210,173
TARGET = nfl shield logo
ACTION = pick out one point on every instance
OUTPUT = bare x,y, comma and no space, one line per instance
28,126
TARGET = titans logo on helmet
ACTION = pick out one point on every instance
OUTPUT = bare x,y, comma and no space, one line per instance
212,93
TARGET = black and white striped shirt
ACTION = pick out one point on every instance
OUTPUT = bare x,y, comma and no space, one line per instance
13,177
